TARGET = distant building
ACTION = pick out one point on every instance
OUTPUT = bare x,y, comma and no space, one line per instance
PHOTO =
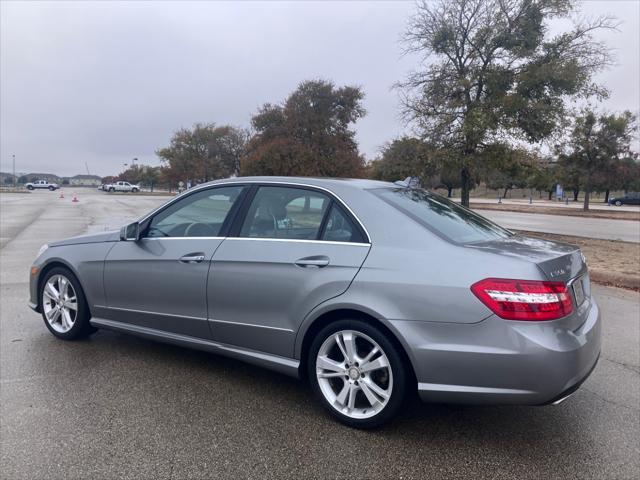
85,181
32,177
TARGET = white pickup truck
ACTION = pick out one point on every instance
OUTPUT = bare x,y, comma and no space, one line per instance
41,184
122,187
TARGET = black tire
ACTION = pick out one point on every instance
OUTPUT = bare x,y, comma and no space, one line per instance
29,187
112,189
134,190
618,203
52,188
397,365
81,327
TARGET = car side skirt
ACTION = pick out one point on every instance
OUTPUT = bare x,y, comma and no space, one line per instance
287,366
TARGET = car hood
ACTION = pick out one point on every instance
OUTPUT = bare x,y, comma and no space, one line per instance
112,236
558,261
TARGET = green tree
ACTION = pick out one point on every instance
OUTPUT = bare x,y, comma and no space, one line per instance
309,134
402,158
449,171
596,142
628,171
491,70
544,178
204,152
507,167
569,175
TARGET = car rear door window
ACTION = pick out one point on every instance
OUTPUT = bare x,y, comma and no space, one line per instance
200,214
340,228
285,212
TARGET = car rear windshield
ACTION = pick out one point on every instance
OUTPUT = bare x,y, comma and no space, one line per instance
442,216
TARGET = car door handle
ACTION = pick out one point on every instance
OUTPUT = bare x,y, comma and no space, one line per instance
317,261
192,258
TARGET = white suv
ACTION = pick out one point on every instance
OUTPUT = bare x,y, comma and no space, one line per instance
41,184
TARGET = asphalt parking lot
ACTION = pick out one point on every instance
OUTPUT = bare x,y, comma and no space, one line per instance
116,406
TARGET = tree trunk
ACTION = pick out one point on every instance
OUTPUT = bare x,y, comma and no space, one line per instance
449,192
505,192
587,192
585,205
465,177
606,196
550,194
576,191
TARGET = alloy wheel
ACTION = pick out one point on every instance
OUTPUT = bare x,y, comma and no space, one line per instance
60,303
354,374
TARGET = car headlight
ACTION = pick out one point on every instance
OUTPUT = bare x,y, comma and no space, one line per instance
43,249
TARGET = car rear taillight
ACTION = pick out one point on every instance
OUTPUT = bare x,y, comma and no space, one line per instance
524,299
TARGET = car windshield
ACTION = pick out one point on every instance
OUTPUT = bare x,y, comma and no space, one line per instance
442,216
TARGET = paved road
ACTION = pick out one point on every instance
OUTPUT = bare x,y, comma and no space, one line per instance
626,230
116,406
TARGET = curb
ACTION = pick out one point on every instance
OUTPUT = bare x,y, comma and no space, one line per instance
621,280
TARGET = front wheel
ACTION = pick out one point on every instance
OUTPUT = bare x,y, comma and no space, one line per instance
64,306
134,190
357,373
112,189
29,187
618,203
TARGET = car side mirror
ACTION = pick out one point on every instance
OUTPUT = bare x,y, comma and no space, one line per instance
130,232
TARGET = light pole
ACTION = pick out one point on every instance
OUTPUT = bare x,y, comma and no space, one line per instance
14,171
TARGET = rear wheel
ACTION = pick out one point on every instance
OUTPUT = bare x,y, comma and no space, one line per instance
357,373
618,203
52,188
64,307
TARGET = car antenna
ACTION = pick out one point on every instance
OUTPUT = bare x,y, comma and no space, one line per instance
409,182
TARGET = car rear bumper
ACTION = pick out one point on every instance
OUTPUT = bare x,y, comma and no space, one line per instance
502,362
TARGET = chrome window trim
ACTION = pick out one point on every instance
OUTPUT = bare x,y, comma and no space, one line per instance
328,242
265,182
265,239
182,238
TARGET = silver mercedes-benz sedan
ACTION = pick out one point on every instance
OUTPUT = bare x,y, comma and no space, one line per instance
369,290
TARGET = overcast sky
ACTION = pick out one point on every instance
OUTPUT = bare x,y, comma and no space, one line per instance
103,82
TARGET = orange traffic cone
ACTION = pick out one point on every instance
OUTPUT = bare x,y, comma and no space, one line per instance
61,194
75,198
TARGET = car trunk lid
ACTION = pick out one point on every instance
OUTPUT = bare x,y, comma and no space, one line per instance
558,261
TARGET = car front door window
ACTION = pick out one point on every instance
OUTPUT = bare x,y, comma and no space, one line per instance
201,214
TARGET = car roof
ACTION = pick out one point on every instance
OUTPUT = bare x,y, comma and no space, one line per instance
325,182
